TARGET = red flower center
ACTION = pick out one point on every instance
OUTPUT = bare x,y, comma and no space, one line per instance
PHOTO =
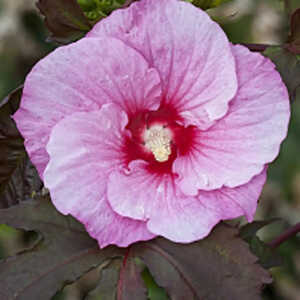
164,125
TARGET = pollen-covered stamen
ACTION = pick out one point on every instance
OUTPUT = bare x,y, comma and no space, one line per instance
158,141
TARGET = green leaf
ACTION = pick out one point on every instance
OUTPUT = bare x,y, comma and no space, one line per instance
206,4
95,10
294,38
288,65
267,256
64,253
218,267
65,20
155,292
18,177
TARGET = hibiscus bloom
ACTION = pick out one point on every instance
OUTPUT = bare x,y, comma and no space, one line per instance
153,124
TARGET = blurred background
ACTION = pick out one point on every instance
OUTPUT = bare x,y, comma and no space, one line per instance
23,42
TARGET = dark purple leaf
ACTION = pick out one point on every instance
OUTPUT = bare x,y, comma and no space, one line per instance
13,159
120,280
218,267
11,143
18,178
131,284
288,65
64,253
107,286
24,183
64,19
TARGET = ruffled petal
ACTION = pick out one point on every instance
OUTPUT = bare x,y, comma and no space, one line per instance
108,228
81,77
142,195
138,193
239,145
84,148
189,50
233,202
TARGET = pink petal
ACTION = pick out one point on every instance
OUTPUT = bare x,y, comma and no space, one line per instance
84,148
136,192
238,146
234,202
189,50
143,195
77,78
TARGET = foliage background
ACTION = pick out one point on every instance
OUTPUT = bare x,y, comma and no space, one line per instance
23,43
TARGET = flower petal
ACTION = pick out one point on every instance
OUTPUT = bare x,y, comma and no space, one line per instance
238,146
84,148
142,192
77,78
180,218
234,202
189,50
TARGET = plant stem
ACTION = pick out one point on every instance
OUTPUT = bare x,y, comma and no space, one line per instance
257,47
285,236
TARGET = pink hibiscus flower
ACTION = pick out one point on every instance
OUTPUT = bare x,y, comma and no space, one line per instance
153,124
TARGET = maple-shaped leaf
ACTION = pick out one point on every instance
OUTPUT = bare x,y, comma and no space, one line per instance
64,253
218,267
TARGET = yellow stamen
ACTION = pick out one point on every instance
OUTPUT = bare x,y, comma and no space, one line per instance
158,141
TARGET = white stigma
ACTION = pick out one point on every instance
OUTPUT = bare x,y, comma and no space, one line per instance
158,141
